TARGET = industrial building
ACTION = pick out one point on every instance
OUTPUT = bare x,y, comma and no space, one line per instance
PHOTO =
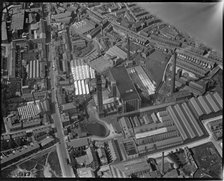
79,43
101,64
31,123
123,88
29,111
204,105
167,126
82,27
136,37
169,32
94,17
86,172
166,41
38,30
116,51
215,57
81,73
69,107
18,21
139,167
38,95
144,81
94,32
194,63
61,15
33,69
4,32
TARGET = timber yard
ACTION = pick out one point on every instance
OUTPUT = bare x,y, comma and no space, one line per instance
106,90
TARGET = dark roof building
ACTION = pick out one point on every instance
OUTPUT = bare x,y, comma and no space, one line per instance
94,32
124,84
125,88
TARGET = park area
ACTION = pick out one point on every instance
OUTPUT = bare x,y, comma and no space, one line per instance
43,165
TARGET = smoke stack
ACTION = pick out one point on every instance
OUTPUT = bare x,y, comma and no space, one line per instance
32,92
173,74
78,16
162,165
128,44
101,29
99,94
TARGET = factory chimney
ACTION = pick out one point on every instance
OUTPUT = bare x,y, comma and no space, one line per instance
173,73
78,17
99,94
128,44
101,24
32,92
162,164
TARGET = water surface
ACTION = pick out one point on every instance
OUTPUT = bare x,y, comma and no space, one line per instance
203,21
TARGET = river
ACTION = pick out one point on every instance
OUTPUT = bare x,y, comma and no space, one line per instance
203,21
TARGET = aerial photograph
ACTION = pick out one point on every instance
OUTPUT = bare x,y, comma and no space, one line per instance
112,90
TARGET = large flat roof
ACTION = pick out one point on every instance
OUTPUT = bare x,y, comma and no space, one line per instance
18,21
83,26
78,142
4,31
128,167
124,83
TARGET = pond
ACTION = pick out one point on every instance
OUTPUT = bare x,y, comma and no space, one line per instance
96,129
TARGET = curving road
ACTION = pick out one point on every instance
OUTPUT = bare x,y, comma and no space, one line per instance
111,134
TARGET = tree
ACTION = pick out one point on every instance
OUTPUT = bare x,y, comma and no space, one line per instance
133,175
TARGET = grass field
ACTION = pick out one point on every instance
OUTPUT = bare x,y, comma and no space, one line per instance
54,163
155,66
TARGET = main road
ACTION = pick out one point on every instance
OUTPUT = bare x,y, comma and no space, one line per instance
63,155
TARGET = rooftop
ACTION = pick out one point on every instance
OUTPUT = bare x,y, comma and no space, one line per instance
125,169
18,21
78,142
62,15
116,51
4,31
85,172
68,106
124,83
83,26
